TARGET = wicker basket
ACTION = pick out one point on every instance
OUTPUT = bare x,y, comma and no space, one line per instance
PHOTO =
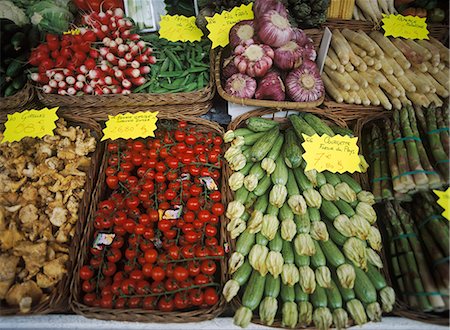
58,299
19,99
133,100
314,34
142,315
238,122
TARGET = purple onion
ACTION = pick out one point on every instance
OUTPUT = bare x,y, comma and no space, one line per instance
300,36
274,29
304,84
288,56
271,87
260,7
241,85
241,32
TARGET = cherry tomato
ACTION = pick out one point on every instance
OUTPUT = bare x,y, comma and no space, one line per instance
136,275
208,267
191,237
201,279
86,272
149,303
109,269
204,215
210,230
215,195
165,304
88,286
210,296
112,182
181,300
193,204
132,202
211,241
114,255
180,273
193,268
147,269
158,273
217,209
128,286
196,297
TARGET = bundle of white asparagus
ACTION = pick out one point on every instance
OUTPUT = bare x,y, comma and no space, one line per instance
372,69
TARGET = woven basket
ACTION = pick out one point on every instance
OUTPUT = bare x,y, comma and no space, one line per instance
58,299
239,122
133,100
19,99
142,315
314,34
101,114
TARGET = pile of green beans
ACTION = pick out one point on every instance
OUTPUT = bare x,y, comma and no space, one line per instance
180,66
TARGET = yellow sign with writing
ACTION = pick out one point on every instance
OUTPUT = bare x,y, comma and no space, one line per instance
220,24
179,28
30,123
409,27
335,154
73,32
444,202
130,125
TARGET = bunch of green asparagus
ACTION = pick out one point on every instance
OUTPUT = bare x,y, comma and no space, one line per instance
419,252
307,246
409,153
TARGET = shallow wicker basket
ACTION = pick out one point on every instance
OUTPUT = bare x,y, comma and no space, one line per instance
57,300
100,102
239,122
139,314
19,99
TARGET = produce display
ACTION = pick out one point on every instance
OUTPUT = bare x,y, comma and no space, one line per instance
180,7
156,242
409,153
180,67
308,13
97,5
394,72
307,238
418,244
105,58
372,10
270,60
42,184
16,44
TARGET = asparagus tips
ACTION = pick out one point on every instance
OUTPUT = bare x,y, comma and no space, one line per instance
443,130
392,156
376,165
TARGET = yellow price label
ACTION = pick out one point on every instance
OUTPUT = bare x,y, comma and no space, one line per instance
409,27
30,123
73,32
220,24
444,202
335,154
130,125
179,28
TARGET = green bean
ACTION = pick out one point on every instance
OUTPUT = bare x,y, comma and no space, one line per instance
171,65
165,65
196,69
172,74
173,58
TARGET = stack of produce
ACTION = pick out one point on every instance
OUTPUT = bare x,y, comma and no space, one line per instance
308,13
305,241
270,60
42,184
409,153
180,67
105,58
373,10
159,223
418,238
373,69
17,42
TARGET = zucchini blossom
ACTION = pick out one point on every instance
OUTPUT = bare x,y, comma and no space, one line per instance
289,314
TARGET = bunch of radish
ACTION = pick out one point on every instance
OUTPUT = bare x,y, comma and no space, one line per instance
105,58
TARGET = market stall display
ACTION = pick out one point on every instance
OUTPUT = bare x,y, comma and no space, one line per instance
371,69
45,198
417,241
153,247
307,238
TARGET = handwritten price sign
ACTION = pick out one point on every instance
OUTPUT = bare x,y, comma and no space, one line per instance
179,28
444,202
334,154
409,27
220,24
30,123
130,125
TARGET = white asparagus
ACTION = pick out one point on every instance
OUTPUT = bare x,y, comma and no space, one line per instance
362,67
436,56
421,67
392,9
417,99
358,39
386,67
335,59
440,90
349,67
441,66
382,97
407,84
442,78
359,79
358,50
410,54
364,98
421,86
332,90
338,79
339,45
390,89
356,97
431,68
394,81
396,103
384,6
404,100
385,44
398,71
367,9
354,59
348,99
376,9
424,77
329,63
444,52
435,99
368,60
377,65
425,53
372,96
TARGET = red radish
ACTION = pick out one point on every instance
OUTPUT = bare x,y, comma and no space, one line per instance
126,83
128,57
126,34
104,51
81,78
109,12
90,63
89,35
148,51
141,44
83,69
106,41
99,33
53,83
138,81
122,63
98,90
111,58
129,23
104,28
135,64
62,92
66,72
121,22
79,85
71,91
119,41
106,90
70,80
144,70
39,77
118,12
95,74
132,73
134,50
50,73
62,84
112,45
152,60
93,53
134,37
142,58
111,81
118,74
87,89
116,89
58,77
47,89
126,92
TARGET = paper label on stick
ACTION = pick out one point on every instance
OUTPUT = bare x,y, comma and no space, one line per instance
30,123
409,27
130,125
444,202
220,24
335,154
179,28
